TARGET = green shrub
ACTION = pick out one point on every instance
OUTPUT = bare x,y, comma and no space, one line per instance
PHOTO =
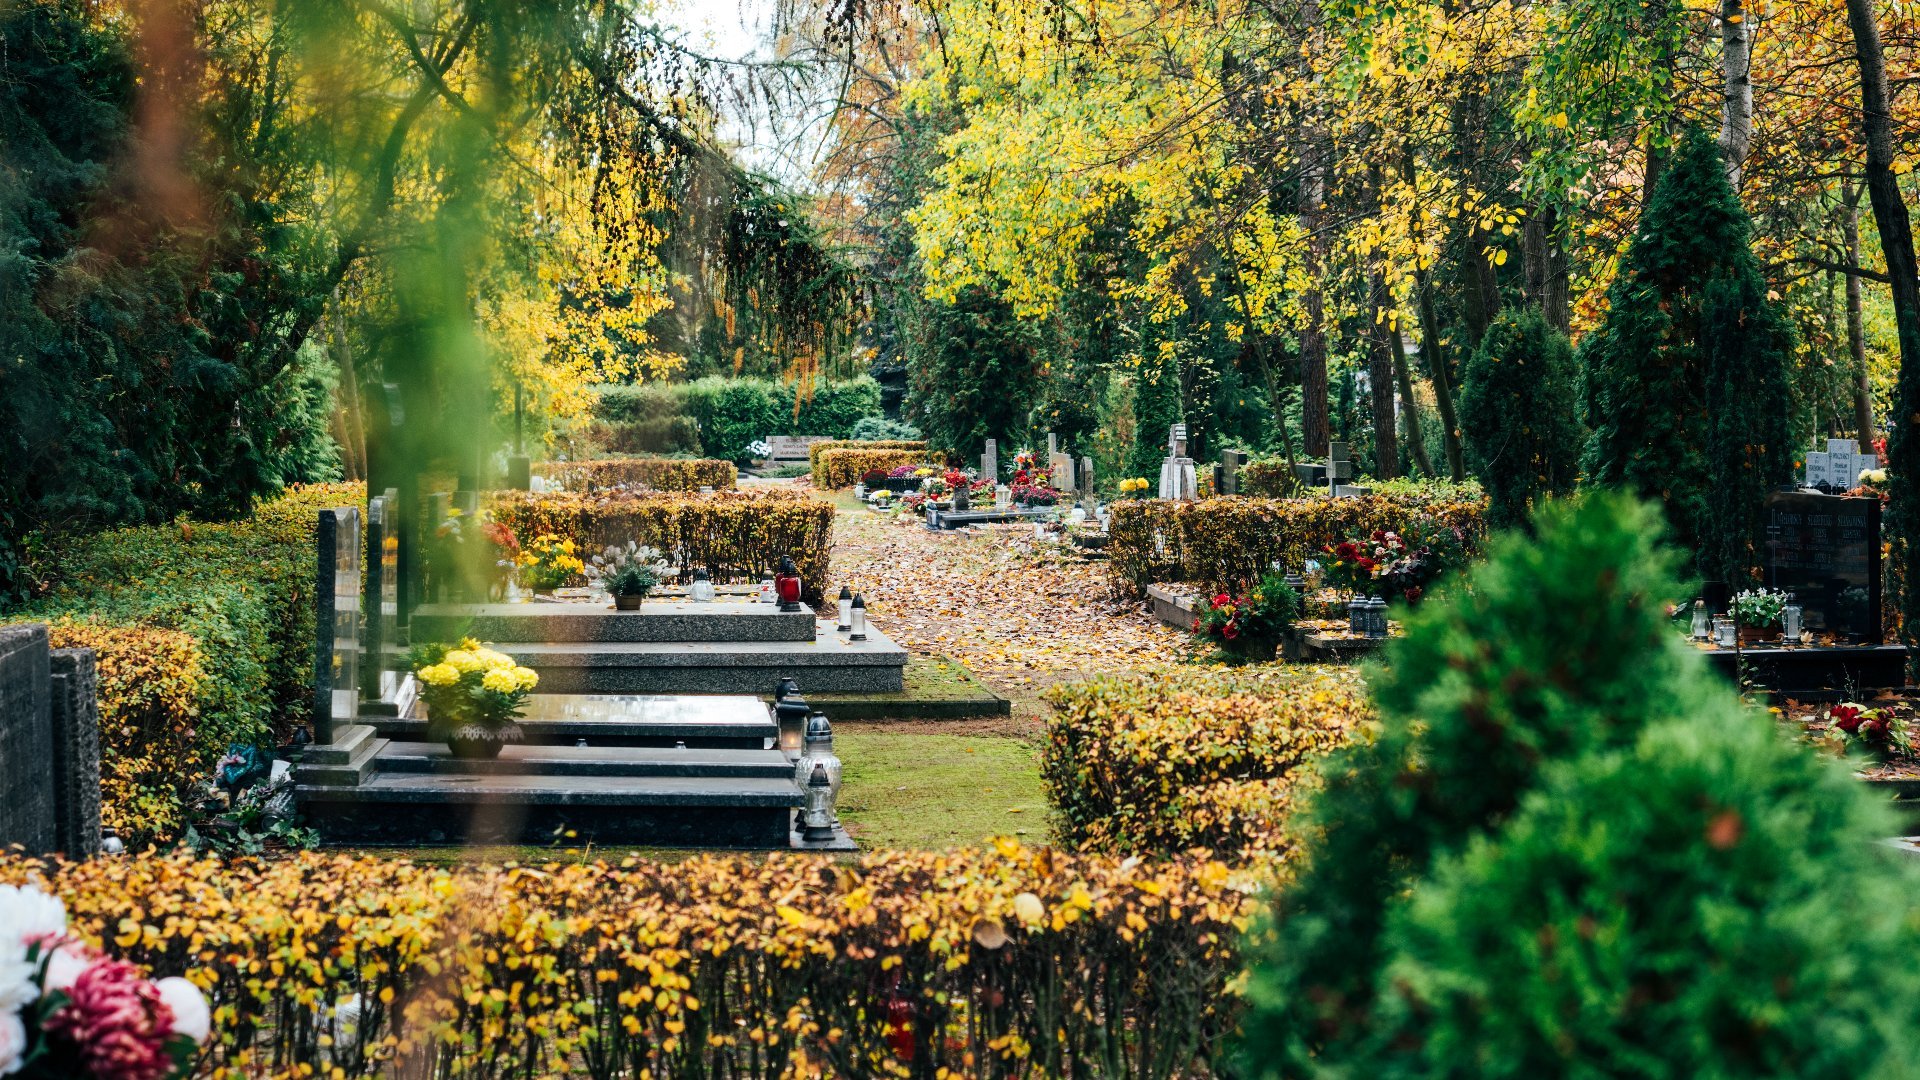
206,636
881,429
722,416
1710,903
1152,763
660,474
1548,651
1519,408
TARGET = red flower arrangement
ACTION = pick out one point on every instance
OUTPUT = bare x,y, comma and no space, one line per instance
1249,626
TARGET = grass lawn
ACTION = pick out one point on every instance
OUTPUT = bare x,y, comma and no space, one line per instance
926,790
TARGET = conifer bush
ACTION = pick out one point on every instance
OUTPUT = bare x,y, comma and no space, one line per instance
1519,408
1579,798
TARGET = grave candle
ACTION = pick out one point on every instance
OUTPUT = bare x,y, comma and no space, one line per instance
845,605
858,620
786,583
1702,625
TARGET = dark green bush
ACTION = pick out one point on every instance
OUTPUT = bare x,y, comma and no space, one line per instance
721,417
1574,852
1519,408
881,429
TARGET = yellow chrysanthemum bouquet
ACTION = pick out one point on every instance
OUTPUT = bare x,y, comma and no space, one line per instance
548,562
473,695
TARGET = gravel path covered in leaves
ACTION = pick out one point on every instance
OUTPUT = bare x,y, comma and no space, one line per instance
1019,614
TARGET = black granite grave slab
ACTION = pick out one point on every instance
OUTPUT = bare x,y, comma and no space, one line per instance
1825,549
585,623
28,809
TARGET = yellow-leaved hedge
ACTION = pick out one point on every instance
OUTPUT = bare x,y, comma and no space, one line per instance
843,468
814,450
660,474
732,534
1003,961
1230,542
204,633
1164,761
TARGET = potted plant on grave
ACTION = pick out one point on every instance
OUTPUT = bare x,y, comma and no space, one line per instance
1249,628
1882,733
1134,487
473,696
1758,614
472,554
548,563
629,572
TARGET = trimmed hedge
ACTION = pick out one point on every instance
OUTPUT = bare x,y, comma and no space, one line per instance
730,533
842,467
1227,543
816,449
660,474
1000,961
205,638
729,413
1158,762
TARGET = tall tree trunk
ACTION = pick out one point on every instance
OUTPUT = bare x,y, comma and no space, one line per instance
1440,373
1896,240
1545,256
1736,68
1856,330
1409,405
1380,382
1314,431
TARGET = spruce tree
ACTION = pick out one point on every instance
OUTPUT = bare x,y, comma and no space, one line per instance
1686,383
1519,410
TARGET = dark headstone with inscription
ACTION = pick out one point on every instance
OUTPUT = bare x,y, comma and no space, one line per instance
27,813
1825,549
74,683
336,655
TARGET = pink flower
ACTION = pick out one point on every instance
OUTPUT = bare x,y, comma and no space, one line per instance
118,1022
66,963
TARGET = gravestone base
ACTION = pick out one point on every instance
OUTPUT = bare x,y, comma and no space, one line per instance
840,841
406,811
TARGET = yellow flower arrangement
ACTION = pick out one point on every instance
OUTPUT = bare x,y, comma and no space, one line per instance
439,674
549,562
468,686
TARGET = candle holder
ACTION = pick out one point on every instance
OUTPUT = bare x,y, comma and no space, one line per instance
844,609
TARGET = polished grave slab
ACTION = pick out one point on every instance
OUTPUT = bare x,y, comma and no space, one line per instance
832,661
715,721
584,621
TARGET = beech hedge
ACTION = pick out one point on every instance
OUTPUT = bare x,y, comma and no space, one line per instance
996,961
204,634
1229,542
1164,761
842,467
817,451
732,534
660,474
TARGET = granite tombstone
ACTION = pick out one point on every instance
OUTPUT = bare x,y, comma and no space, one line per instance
1825,550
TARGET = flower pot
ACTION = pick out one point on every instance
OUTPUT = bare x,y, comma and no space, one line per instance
479,742
1754,635
624,602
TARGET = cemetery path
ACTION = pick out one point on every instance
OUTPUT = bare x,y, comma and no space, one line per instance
1016,612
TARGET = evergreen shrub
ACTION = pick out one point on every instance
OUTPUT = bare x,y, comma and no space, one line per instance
1519,410
723,416
1153,763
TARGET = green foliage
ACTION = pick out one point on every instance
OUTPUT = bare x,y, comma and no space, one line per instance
1519,411
1156,407
241,593
1686,382
157,373
1710,902
972,374
1576,853
721,416
1475,701
881,429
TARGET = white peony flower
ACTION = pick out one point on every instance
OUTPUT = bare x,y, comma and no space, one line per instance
65,964
191,1016
13,1042
17,988
27,913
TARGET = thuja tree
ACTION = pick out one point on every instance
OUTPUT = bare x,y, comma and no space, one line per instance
1686,383
1515,775
1519,408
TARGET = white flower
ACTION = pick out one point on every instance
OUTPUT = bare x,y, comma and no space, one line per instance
13,1042
27,913
188,1006
64,966
17,988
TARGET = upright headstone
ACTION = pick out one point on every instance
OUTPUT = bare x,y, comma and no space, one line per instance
380,674
27,813
73,682
990,462
336,650
1059,465
1340,469
1817,474
1825,550
1231,462
1178,478
1086,480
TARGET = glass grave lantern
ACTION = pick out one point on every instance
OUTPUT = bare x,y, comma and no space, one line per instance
1792,621
816,818
702,588
1702,622
786,584
817,754
791,712
844,609
857,620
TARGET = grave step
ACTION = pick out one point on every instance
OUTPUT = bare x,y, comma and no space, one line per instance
669,811
348,773
831,662
722,721
348,740
569,622
535,760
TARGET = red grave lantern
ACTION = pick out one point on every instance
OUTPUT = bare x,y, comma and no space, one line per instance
786,584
